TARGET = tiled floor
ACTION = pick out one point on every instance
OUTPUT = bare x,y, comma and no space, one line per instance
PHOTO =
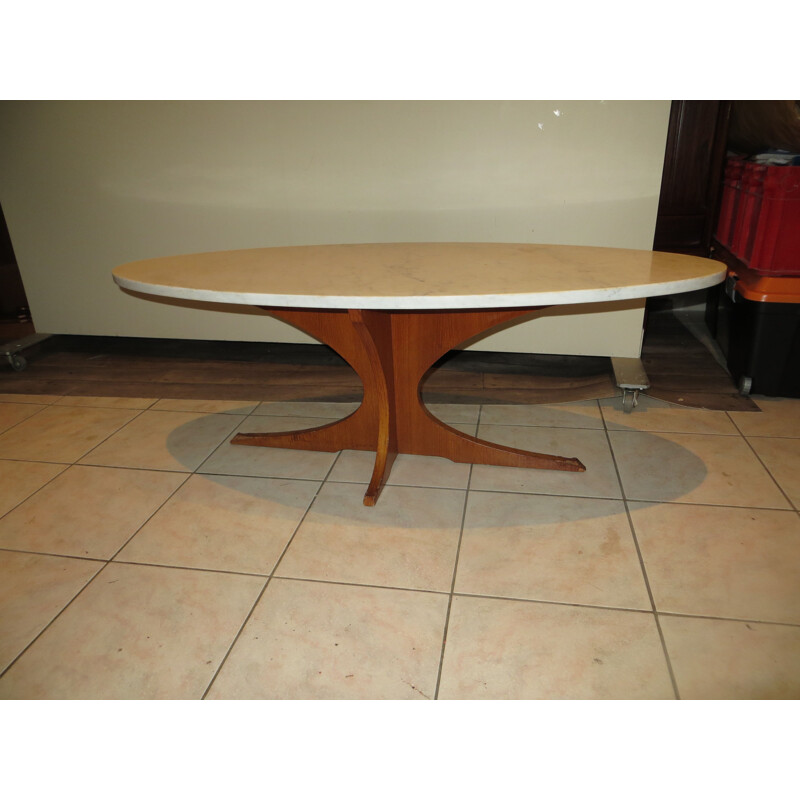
143,556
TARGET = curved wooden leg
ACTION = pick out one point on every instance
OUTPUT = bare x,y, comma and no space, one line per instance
375,332
350,433
358,431
442,440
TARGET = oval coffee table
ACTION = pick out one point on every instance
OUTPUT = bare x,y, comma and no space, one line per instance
392,310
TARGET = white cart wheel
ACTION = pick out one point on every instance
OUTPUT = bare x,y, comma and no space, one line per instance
745,385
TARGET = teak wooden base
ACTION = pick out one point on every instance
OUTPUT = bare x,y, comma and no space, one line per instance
391,351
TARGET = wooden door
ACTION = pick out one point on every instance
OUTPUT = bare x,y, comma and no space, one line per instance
690,184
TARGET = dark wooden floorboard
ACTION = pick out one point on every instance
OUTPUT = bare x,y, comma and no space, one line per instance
680,368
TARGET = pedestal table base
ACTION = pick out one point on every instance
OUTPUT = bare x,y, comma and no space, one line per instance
391,351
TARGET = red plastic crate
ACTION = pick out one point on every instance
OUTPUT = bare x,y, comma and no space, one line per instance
775,246
747,214
728,202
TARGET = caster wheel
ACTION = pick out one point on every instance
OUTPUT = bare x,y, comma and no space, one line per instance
745,385
629,401
18,363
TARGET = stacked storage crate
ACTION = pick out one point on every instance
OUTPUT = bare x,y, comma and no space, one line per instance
759,224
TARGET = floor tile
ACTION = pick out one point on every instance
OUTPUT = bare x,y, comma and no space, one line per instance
327,411
780,416
782,458
33,589
169,440
12,413
20,479
581,414
87,511
62,434
562,549
510,649
136,632
721,562
271,462
407,540
591,447
725,660
241,407
693,468
106,402
223,523
657,415
313,641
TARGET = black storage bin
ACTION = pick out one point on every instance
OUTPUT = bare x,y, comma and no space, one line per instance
763,346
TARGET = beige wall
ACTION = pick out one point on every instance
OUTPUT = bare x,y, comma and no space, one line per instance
89,185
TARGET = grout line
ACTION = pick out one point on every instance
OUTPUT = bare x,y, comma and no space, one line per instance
365,482
53,555
706,505
227,438
680,614
191,569
235,638
25,419
227,413
455,571
563,603
104,466
166,500
768,471
766,436
299,579
58,404
267,583
670,670
32,402
305,514
687,615
114,433
551,427
39,489
628,431
52,621
603,419
452,591
136,563
546,494
159,470
259,477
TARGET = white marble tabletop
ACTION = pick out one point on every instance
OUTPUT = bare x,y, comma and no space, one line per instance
420,275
